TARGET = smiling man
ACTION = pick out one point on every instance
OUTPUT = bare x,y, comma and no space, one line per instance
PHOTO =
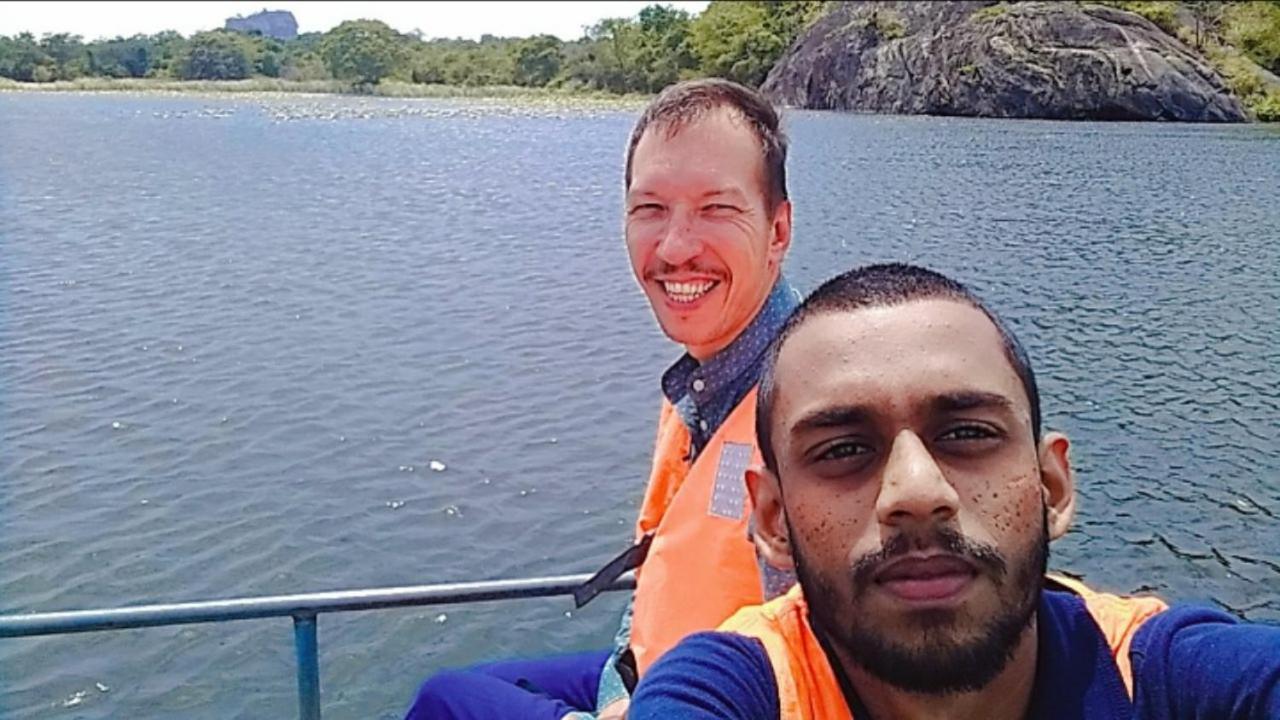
907,479
707,225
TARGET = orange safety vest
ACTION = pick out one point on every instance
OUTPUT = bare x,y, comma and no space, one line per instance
701,566
807,685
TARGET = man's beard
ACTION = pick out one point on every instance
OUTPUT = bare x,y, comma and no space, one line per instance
938,656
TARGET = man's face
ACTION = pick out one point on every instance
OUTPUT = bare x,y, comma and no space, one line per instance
912,490
702,242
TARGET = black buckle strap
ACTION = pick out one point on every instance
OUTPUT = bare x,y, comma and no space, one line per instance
630,559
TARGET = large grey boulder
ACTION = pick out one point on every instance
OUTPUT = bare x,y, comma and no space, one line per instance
278,24
1060,60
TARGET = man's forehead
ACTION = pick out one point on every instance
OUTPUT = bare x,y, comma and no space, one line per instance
722,128
905,352
713,153
717,116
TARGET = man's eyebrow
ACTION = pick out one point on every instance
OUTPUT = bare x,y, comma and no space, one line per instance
971,400
839,416
849,415
727,190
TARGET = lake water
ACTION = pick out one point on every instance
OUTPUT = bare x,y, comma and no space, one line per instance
236,332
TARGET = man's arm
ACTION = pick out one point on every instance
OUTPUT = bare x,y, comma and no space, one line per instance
713,675
1202,664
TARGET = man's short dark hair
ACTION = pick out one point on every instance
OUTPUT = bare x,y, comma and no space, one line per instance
881,286
683,103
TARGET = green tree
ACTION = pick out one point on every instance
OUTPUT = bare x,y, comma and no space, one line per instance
22,58
537,60
665,52
300,58
643,54
1208,18
742,41
135,56
1254,28
168,51
121,57
268,64
362,51
303,65
787,19
216,55
732,41
68,54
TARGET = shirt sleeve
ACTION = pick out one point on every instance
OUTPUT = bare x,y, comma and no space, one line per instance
1202,664
709,675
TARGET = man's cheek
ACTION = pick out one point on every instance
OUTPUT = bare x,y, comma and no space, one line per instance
1020,507
828,535
828,520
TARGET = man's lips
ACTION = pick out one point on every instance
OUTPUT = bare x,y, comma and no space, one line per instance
685,291
926,578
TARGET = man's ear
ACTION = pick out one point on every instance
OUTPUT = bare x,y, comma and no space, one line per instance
781,233
1059,483
770,535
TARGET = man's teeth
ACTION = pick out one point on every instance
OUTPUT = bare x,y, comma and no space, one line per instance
687,291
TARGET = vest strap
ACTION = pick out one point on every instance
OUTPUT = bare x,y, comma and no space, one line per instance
629,559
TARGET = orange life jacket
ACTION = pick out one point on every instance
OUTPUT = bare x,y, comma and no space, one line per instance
807,685
701,566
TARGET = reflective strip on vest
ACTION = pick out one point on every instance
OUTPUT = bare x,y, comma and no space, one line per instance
702,565
807,685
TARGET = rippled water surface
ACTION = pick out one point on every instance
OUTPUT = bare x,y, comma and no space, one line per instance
235,333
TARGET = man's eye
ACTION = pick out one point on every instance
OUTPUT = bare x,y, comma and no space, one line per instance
969,432
843,450
645,209
721,209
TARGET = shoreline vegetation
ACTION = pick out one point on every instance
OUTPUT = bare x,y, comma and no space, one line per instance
278,86
616,61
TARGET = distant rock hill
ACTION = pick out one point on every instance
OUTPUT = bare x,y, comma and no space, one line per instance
278,24
1059,60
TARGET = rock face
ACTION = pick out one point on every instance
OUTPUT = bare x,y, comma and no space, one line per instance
1058,60
278,24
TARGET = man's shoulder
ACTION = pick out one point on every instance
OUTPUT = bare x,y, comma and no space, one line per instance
1163,634
1200,662
720,648
712,675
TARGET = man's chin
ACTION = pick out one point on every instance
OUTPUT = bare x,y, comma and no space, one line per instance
681,330
938,650
941,661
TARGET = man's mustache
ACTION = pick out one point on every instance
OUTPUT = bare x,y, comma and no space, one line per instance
947,540
658,268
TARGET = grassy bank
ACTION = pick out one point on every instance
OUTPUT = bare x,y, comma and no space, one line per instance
389,89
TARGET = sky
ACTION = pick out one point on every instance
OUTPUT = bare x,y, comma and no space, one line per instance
94,20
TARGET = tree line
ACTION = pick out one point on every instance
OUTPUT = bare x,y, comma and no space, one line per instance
641,54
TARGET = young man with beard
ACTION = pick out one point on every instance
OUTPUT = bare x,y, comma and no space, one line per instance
708,224
906,477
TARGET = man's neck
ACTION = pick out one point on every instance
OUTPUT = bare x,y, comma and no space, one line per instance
1007,697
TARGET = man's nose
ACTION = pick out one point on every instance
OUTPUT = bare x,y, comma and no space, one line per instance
679,243
914,489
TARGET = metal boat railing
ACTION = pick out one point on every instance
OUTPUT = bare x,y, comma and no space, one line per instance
303,608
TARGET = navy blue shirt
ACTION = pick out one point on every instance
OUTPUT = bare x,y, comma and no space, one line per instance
1188,664
705,393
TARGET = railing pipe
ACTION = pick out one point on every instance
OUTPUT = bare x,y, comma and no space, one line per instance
74,621
303,608
307,646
